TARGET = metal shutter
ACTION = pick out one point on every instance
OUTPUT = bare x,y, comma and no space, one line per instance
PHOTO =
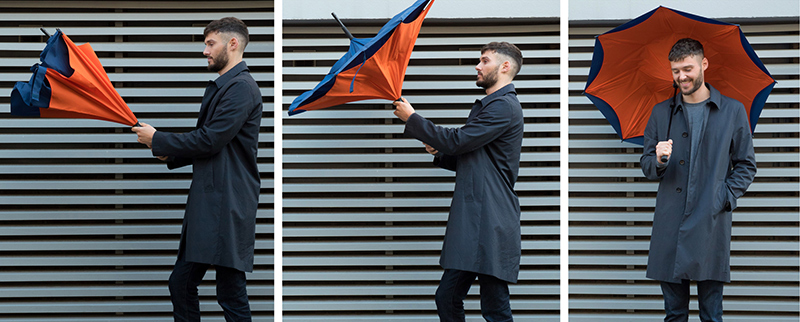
364,208
611,203
89,220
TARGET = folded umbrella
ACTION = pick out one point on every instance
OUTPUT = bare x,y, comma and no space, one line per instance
630,71
372,68
69,83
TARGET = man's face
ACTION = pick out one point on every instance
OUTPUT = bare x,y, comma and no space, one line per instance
487,69
217,51
688,73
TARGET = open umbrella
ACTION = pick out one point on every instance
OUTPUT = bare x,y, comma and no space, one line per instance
372,67
69,83
630,71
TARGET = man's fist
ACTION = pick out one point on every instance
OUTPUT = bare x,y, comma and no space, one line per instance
663,148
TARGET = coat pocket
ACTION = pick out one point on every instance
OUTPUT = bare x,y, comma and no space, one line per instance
722,202
204,174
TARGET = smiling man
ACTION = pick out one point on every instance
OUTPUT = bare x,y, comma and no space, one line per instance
219,222
482,239
710,163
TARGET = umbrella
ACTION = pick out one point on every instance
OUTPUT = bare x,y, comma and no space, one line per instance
372,68
630,71
69,83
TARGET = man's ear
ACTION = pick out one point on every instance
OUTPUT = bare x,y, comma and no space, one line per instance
234,44
506,67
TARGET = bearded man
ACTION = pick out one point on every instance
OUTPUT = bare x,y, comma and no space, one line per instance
704,161
482,239
220,218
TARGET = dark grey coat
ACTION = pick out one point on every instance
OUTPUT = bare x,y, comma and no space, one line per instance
483,229
220,218
692,224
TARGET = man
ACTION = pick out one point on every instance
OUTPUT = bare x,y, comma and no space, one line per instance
219,222
710,163
482,239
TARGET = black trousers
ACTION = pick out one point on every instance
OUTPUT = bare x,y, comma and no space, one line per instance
231,292
676,300
453,288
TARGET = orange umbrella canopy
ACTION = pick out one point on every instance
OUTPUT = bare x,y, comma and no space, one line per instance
70,83
372,68
630,71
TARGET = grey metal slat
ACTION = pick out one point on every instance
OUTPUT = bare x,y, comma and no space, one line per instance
95,245
67,215
739,215
786,246
401,304
736,260
735,289
430,112
732,305
638,317
138,16
291,246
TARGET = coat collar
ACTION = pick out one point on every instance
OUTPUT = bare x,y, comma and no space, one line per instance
500,92
225,78
714,101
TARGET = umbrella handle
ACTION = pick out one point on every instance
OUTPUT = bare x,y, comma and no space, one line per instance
665,158
45,32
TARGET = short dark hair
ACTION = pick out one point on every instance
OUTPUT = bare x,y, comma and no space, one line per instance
230,25
507,49
684,48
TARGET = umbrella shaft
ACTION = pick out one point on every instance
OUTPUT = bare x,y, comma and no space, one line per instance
346,32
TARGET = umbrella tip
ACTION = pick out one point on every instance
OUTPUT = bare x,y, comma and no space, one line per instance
44,31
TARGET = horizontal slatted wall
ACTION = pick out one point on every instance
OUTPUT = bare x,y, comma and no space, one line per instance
611,203
365,209
89,220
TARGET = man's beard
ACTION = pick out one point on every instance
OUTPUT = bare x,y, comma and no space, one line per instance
696,83
489,79
218,62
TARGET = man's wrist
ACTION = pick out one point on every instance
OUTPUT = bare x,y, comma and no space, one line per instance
660,165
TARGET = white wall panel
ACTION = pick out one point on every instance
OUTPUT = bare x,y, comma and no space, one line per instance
89,220
364,207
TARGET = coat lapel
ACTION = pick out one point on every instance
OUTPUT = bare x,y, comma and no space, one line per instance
208,96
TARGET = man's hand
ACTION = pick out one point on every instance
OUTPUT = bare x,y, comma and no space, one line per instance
430,149
403,110
162,158
663,148
145,133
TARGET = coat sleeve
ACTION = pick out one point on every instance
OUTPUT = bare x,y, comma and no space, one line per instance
743,159
445,161
648,160
174,163
485,127
229,116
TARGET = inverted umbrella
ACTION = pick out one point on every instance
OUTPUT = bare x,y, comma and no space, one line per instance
630,71
69,83
372,68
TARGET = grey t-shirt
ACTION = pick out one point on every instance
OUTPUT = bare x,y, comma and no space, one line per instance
696,114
